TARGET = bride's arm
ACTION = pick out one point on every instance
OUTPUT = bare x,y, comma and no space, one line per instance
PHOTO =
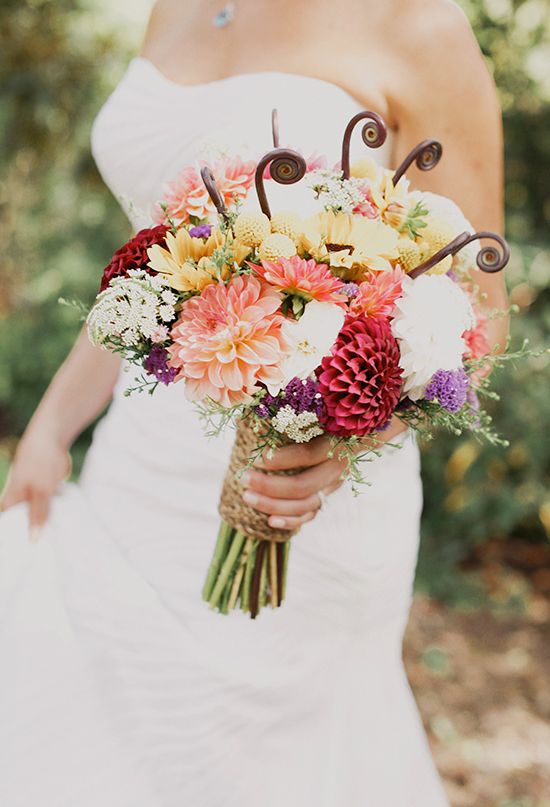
437,86
78,393
440,87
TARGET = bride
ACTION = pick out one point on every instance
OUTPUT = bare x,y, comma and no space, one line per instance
118,686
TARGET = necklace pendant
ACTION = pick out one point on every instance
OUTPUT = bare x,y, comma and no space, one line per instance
225,16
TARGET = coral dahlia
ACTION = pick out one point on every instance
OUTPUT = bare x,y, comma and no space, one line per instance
187,198
306,279
360,382
377,295
228,341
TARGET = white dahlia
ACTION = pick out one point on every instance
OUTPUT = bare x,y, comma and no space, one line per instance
430,319
310,338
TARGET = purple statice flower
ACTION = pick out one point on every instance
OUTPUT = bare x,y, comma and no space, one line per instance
473,403
156,364
351,290
450,387
302,395
201,231
453,276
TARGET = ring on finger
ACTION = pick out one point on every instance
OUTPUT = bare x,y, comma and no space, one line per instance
323,499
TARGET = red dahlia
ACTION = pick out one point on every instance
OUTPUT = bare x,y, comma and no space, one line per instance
133,255
360,382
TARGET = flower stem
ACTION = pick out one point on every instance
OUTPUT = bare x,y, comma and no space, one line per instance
239,575
248,573
225,535
273,574
286,550
227,568
280,568
264,578
255,588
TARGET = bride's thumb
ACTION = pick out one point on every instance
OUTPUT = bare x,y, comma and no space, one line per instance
39,505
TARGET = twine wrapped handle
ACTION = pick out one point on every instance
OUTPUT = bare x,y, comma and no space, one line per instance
232,508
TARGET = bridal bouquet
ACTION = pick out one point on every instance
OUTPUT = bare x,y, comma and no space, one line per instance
329,325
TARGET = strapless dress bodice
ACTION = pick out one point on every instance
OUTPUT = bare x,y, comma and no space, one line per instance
151,127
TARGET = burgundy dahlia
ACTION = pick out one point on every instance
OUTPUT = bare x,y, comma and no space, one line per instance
133,255
361,381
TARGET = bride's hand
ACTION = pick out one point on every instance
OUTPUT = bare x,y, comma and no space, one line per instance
293,500
40,466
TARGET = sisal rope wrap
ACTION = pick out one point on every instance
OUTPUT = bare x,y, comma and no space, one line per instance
232,509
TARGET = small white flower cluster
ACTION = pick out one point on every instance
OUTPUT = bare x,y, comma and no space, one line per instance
300,428
335,192
132,308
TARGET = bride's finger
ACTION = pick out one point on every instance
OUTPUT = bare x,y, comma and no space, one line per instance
281,507
299,486
296,455
290,522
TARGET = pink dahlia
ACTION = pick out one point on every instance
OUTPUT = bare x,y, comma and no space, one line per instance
477,343
360,383
234,177
229,340
377,295
367,206
307,279
133,255
187,199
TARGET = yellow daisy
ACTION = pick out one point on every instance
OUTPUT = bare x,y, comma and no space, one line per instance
387,195
188,264
353,246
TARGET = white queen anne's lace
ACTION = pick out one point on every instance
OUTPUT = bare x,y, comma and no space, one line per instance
131,309
430,319
300,428
335,192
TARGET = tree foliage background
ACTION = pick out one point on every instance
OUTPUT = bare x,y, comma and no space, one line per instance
59,226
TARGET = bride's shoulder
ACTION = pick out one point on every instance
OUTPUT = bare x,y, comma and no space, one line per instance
434,54
427,28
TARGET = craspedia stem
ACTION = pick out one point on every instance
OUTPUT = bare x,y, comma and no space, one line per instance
489,258
275,128
426,155
214,192
451,249
374,133
285,166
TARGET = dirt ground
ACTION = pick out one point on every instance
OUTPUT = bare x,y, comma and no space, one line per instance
481,677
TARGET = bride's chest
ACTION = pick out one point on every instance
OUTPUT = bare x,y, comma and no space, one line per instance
307,39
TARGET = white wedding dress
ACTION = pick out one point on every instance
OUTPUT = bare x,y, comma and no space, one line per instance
118,686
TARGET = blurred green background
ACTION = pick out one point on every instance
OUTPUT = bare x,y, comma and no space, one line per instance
59,226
